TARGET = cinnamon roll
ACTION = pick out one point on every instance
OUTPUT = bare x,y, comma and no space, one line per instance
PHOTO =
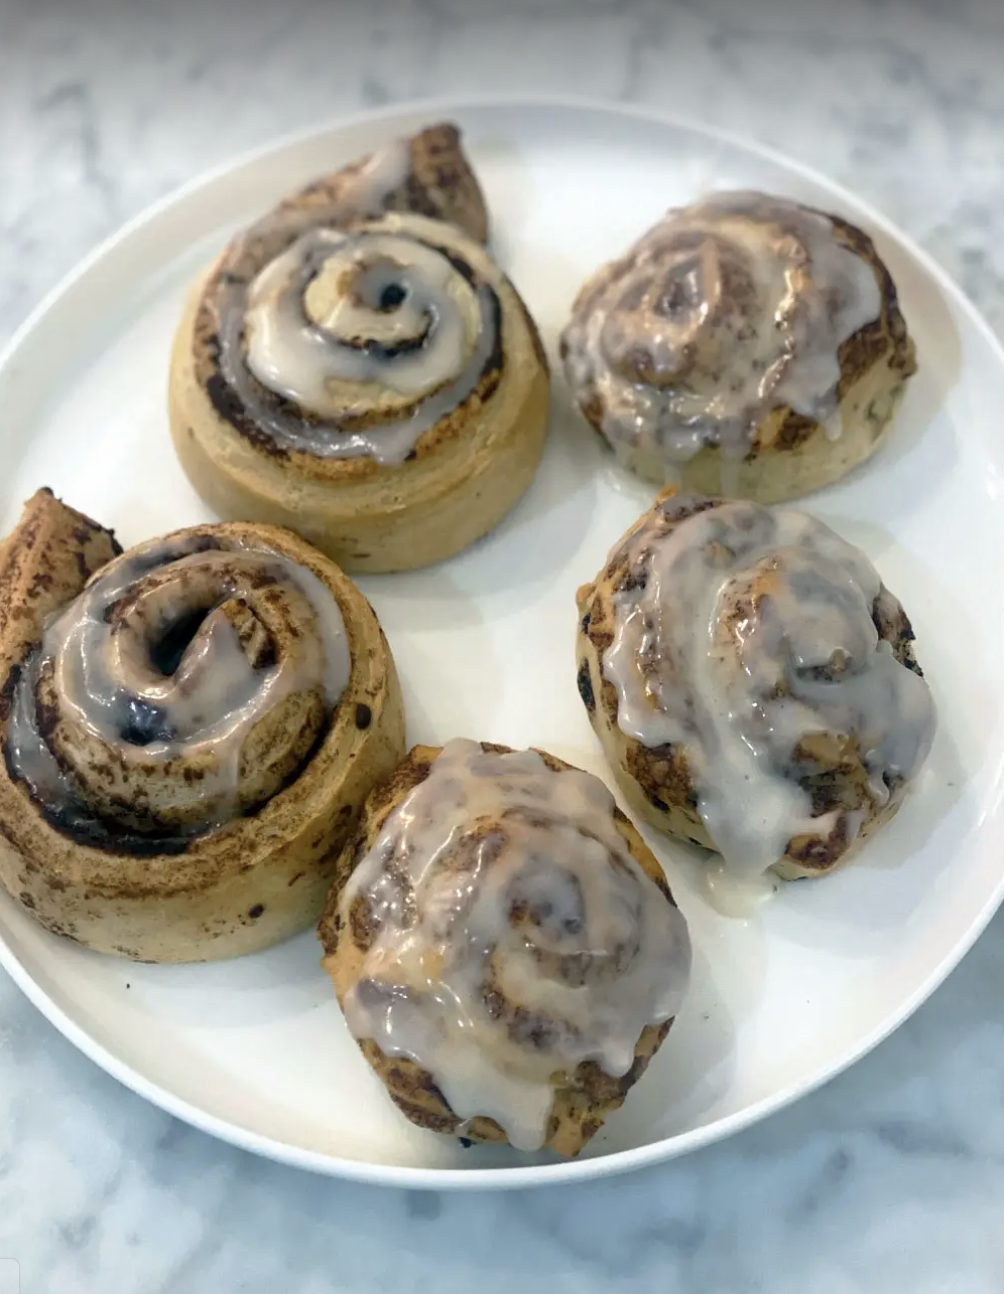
753,684
188,731
356,367
505,948
746,346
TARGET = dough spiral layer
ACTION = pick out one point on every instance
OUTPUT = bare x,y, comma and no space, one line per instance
753,684
746,346
362,373
504,946
188,730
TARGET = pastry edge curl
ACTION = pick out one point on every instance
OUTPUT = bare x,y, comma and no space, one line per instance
440,184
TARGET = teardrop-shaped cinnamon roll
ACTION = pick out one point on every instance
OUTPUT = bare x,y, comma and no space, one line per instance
356,367
746,346
753,684
188,730
505,948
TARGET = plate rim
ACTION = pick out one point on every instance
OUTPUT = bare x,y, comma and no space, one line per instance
515,1177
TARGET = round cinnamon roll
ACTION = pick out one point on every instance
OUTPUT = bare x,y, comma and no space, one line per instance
746,346
188,731
753,684
362,373
504,946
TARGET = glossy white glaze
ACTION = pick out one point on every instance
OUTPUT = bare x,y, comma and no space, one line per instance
721,313
516,936
374,322
744,634
98,659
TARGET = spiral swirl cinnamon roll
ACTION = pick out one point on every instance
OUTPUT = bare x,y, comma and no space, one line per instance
505,948
753,684
188,731
362,373
746,346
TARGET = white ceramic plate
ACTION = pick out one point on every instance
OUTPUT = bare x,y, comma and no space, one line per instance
255,1050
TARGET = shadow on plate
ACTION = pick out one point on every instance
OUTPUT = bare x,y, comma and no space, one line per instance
530,549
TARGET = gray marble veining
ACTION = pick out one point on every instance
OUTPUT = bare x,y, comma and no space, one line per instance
890,1179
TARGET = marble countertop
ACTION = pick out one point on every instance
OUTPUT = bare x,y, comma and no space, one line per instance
889,1179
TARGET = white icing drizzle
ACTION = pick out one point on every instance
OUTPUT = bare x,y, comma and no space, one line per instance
737,895
743,633
385,334
101,648
516,936
720,314
378,177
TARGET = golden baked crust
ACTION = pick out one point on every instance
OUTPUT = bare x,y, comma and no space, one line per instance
658,781
582,1099
789,454
226,891
463,473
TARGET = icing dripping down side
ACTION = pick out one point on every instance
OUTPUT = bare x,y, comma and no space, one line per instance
515,936
749,639
723,312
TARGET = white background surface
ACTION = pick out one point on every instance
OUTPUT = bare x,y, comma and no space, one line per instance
890,1179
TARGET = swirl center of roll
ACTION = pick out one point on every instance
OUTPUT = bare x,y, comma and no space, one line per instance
367,335
515,935
680,317
188,684
750,639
